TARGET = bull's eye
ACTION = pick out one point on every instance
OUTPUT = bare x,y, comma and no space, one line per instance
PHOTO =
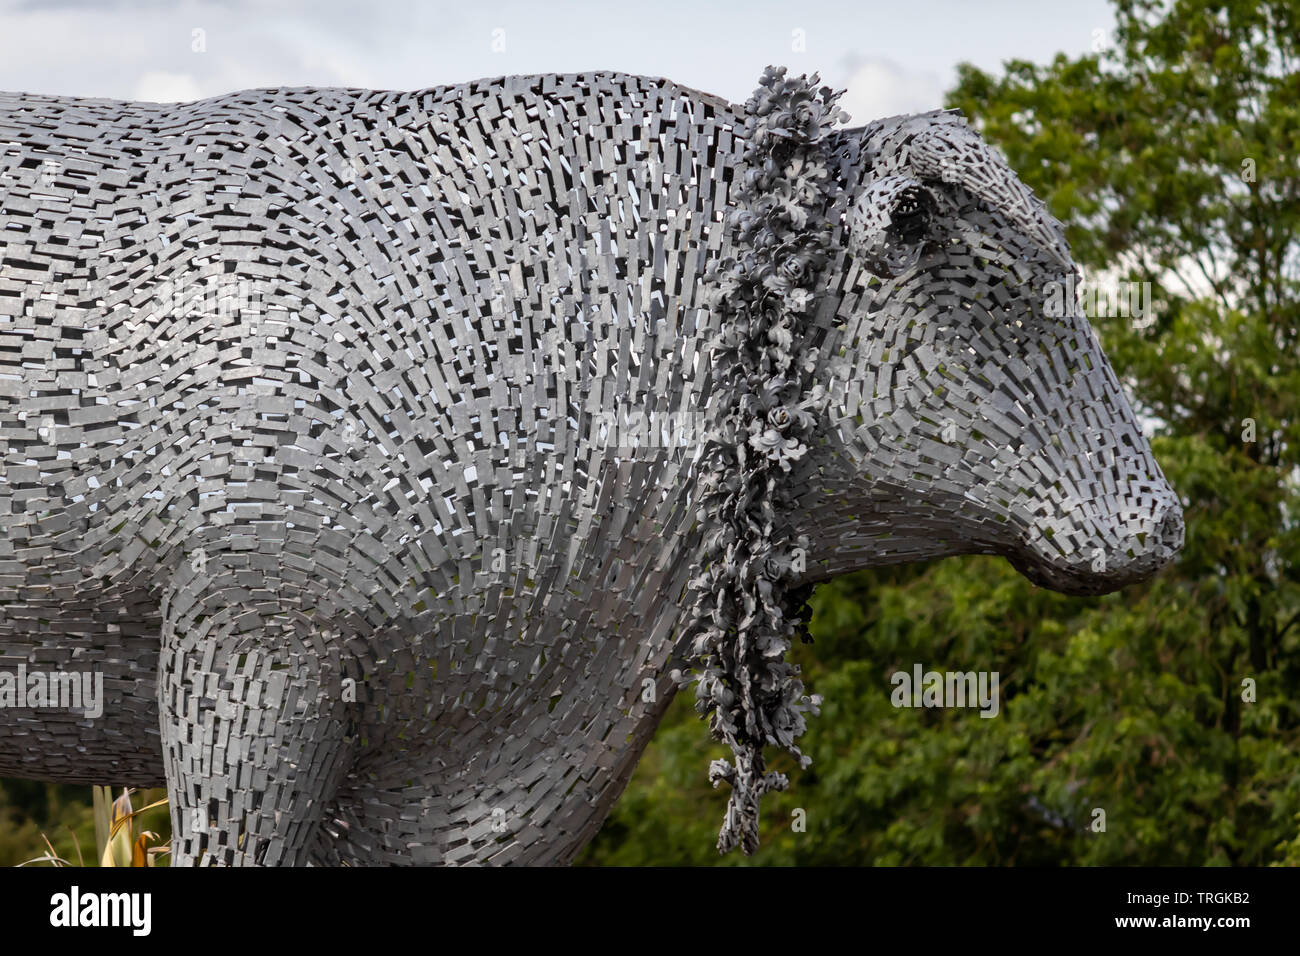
910,217
890,224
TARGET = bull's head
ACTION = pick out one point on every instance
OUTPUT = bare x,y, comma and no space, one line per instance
968,414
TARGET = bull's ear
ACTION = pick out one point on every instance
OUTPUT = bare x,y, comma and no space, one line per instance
889,224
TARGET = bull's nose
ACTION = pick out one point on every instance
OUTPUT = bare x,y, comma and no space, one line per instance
1170,530
1153,541
1136,547
1159,545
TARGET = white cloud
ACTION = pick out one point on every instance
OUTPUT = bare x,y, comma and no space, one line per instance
879,87
158,86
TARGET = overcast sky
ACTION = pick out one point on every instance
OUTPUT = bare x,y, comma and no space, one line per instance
892,57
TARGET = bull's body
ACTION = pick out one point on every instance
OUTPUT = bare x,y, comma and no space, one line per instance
361,537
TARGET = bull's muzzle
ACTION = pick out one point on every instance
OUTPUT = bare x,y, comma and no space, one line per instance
1101,552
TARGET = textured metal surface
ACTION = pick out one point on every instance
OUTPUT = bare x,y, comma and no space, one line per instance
354,438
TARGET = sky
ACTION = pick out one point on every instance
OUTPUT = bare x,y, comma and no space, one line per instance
890,57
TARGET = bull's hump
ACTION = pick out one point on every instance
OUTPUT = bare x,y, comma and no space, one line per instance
146,115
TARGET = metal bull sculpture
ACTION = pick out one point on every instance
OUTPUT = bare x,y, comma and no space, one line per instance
380,452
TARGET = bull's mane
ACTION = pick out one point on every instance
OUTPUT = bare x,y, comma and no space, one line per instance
743,612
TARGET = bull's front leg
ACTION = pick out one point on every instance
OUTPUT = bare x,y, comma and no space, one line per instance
256,734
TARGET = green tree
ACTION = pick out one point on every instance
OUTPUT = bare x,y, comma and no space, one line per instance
1171,156
32,812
